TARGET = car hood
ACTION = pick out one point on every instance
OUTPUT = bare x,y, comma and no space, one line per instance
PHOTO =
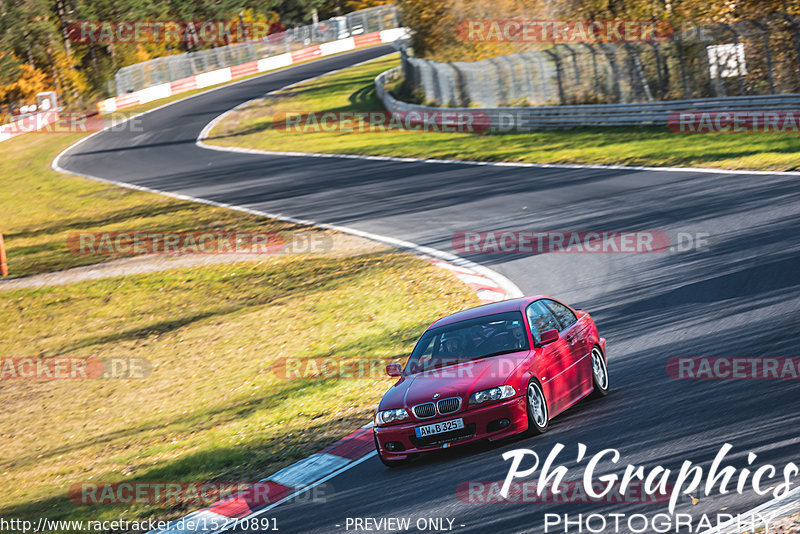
460,380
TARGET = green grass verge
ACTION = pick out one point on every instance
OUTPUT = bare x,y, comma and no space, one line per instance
352,89
213,407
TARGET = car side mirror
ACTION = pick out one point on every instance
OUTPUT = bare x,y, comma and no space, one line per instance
549,337
394,369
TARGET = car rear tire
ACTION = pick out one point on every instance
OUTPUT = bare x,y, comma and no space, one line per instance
538,413
387,463
599,373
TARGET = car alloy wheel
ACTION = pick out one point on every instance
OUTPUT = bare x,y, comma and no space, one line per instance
538,419
599,372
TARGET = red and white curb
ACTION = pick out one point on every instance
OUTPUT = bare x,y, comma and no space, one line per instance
280,487
488,289
215,77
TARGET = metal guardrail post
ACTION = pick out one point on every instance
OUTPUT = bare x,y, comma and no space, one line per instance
611,55
449,76
465,83
595,73
496,95
574,56
638,78
545,71
459,85
767,52
509,84
561,97
662,88
437,83
426,75
682,65
483,94
526,83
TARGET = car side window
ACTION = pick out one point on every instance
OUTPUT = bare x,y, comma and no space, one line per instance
540,319
564,315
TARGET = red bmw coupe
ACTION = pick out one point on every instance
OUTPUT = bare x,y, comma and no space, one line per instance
490,372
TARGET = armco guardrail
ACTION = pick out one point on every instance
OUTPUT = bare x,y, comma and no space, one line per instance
207,79
526,119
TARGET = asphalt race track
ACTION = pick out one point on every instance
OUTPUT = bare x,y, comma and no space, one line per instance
738,296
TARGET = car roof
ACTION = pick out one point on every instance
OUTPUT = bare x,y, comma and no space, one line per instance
492,308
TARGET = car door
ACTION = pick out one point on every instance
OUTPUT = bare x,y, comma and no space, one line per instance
574,333
553,359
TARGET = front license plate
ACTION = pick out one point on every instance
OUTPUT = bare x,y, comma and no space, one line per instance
439,428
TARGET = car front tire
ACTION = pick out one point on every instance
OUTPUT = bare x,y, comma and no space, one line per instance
599,373
538,412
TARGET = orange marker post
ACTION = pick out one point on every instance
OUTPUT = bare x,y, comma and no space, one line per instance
3,264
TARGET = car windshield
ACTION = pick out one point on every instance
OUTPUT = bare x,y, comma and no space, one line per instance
465,341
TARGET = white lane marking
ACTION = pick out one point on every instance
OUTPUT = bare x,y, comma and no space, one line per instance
702,170
204,133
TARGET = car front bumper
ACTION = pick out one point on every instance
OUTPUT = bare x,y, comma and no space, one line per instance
494,421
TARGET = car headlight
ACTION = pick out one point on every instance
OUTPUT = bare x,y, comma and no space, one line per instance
388,416
502,392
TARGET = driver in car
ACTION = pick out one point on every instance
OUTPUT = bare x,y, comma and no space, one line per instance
518,333
453,345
